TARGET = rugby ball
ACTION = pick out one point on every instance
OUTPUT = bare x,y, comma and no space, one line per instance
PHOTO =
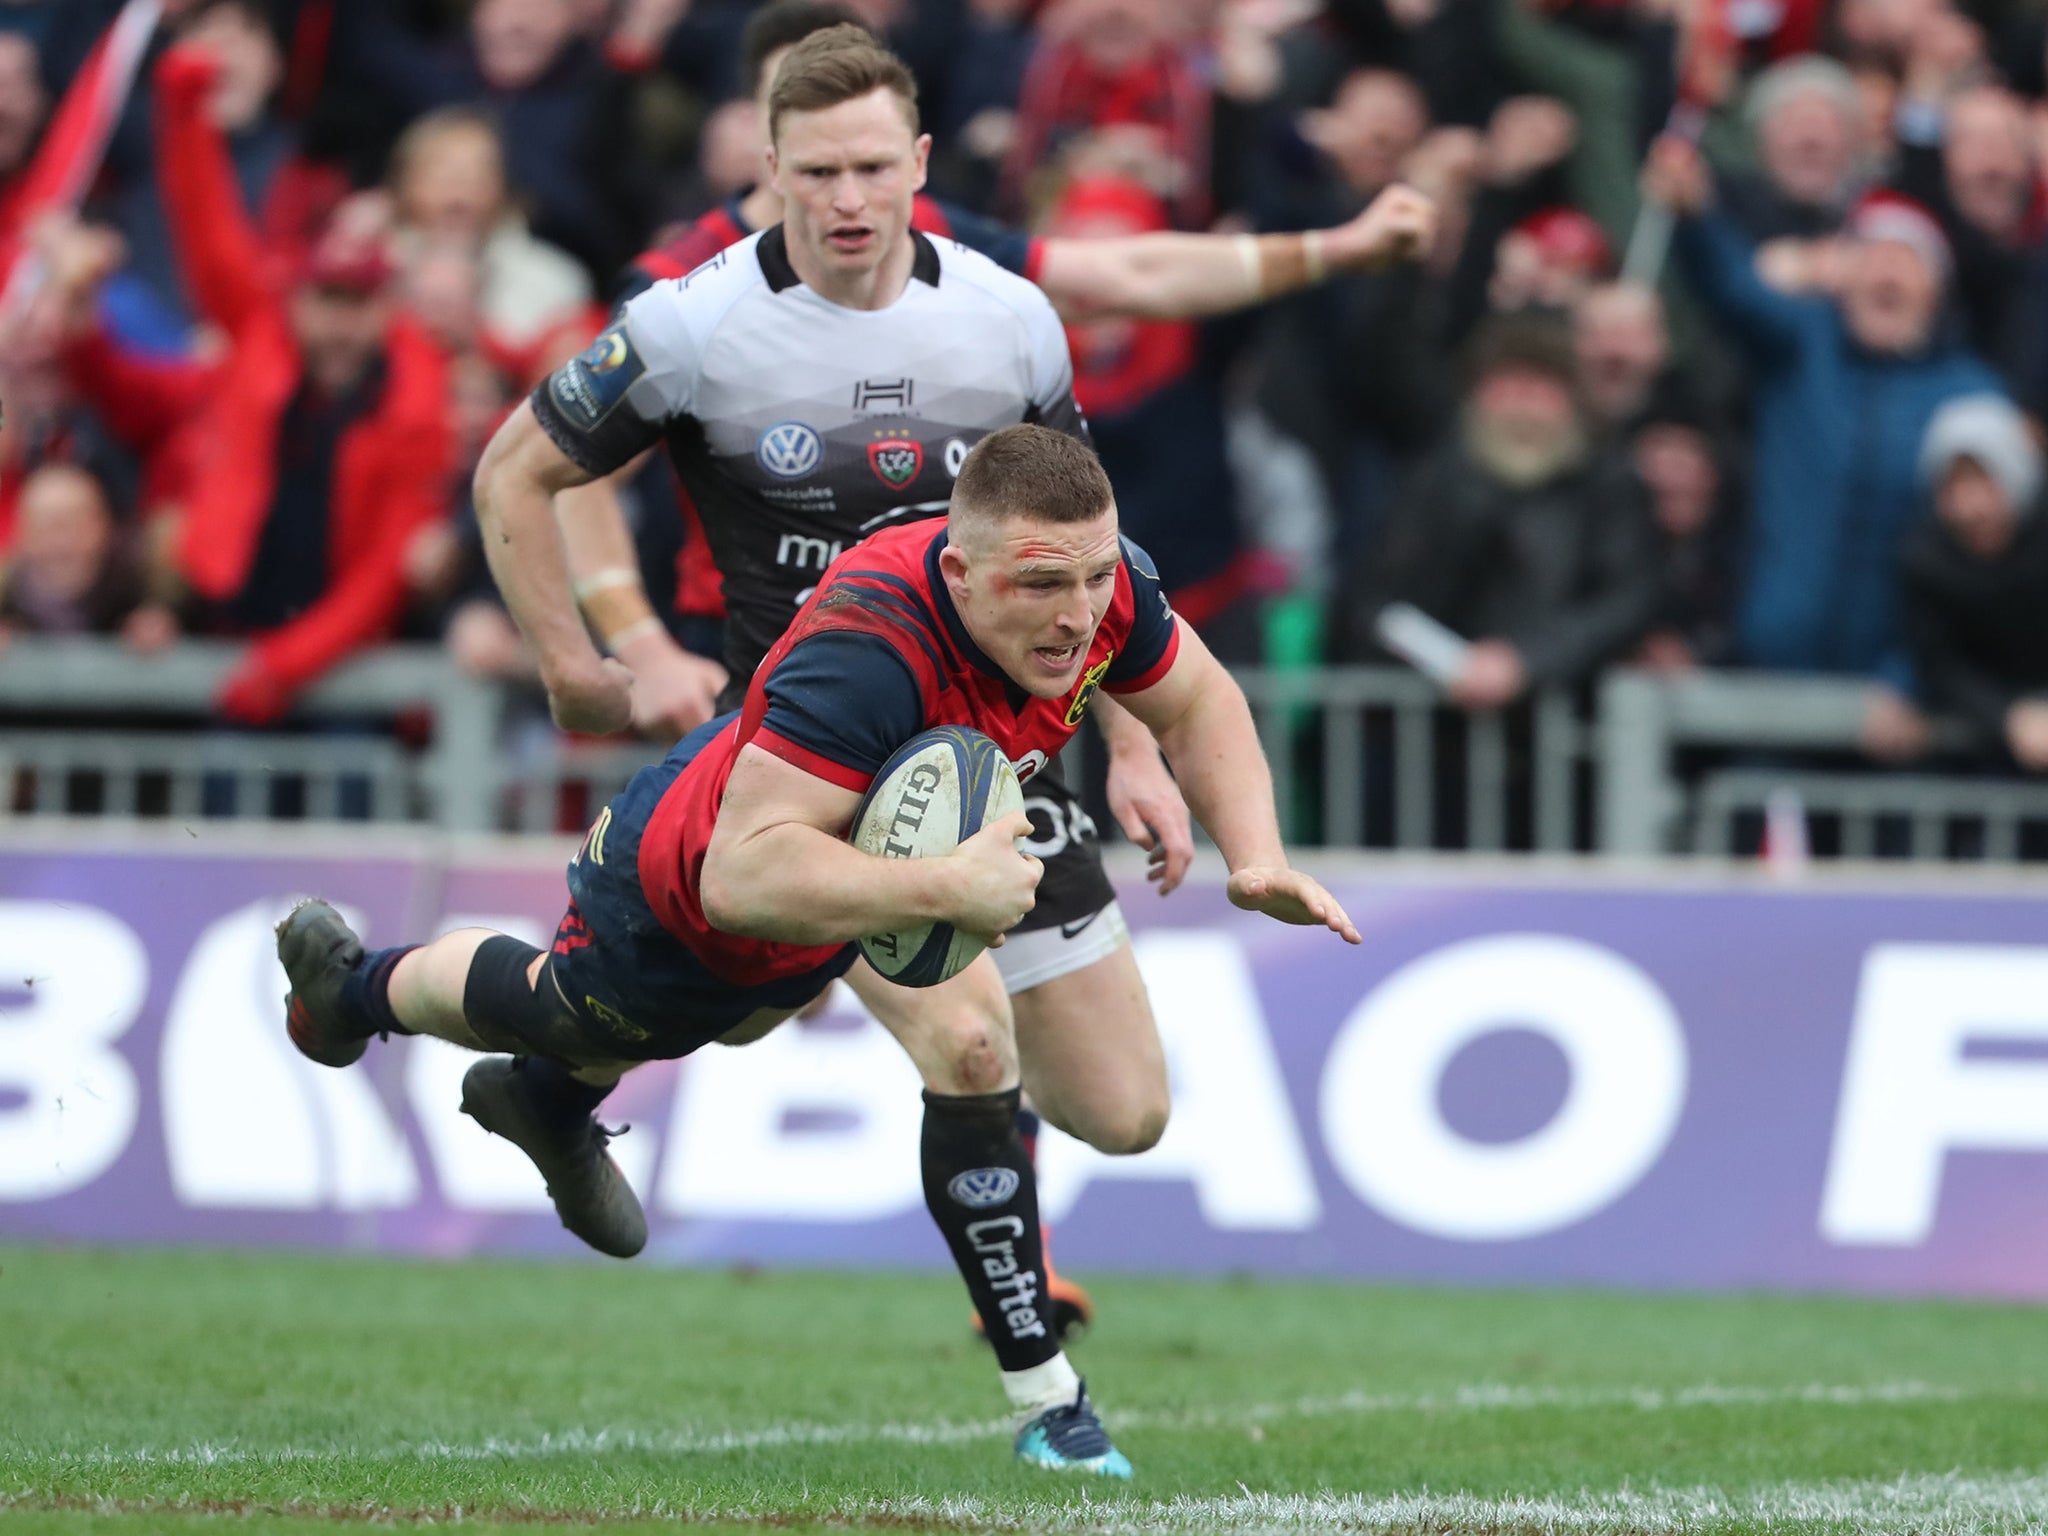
940,788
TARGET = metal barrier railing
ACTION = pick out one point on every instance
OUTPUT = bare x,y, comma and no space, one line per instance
135,773
1373,756
129,700
1869,816
1766,730
144,744
1361,757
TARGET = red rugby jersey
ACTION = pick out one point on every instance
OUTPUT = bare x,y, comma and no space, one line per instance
877,655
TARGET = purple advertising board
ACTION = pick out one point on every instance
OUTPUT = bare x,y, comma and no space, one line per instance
1555,1076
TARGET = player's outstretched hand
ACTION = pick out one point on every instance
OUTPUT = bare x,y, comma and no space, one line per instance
1398,225
595,700
1147,804
1291,897
997,882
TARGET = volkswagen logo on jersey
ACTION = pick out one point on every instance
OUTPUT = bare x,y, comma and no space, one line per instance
896,461
980,1188
789,451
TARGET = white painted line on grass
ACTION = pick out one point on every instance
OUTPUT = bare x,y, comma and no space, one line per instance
2007,1504
1479,1398
1924,1505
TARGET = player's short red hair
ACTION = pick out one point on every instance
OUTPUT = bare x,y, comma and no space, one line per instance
1035,472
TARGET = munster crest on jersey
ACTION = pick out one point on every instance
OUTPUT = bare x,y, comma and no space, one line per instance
1086,691
896,461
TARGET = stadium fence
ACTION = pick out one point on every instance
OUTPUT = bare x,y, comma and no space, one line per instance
1362,757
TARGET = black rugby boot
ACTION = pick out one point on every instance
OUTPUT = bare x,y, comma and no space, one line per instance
320,952
591,1196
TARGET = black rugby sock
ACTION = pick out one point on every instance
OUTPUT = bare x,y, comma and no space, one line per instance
559,1094
982,1192
366,992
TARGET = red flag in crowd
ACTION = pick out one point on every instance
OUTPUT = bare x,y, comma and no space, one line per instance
73,145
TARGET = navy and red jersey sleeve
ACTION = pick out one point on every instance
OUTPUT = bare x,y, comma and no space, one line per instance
1148,652
1010,249
640,275
680,254
839,705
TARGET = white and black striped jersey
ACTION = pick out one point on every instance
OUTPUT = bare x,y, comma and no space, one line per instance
800,427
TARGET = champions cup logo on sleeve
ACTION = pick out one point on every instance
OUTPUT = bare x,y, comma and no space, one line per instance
1086,691
789,450
980,1188
896,461
589,388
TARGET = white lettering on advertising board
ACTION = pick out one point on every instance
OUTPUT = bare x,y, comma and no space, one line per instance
1382,1118
82,975
822,1124
250,1124
1909,1094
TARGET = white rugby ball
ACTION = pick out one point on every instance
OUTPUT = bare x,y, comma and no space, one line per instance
942,786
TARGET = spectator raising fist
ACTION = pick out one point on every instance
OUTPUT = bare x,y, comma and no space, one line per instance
1676,175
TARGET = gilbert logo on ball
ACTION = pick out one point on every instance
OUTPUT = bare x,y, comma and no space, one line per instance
941,787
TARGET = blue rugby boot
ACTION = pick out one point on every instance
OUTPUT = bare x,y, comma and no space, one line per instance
1068,1437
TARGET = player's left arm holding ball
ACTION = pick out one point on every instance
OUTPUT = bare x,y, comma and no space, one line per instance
1203,725
779,866
832,710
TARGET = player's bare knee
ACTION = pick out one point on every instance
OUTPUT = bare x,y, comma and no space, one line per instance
1151,1126
1129,1129
978,1060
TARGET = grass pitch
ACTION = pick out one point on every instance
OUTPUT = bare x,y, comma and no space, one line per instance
198,1392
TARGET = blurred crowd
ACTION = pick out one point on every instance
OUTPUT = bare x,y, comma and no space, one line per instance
1733,352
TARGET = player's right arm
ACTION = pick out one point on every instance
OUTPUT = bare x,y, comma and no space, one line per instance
779,867
590,418
1199,715
674,691
516,482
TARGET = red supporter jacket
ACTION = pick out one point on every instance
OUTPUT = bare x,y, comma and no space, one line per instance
221,424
